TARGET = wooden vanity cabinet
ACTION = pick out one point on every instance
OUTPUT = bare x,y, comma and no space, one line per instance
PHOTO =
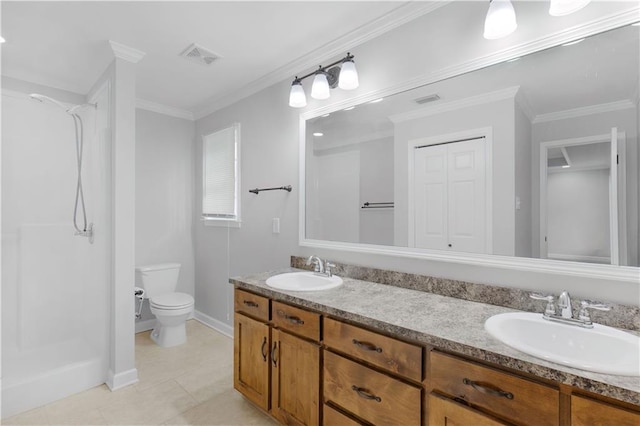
589,412
447,412
252,341
295,365
370,396
493,392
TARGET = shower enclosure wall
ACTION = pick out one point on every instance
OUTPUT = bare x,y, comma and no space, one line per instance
55,285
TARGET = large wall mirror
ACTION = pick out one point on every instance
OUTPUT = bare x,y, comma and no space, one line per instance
531,158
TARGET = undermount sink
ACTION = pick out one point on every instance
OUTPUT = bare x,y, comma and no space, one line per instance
303,281
600,349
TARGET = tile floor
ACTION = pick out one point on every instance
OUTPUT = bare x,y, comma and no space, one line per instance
190,384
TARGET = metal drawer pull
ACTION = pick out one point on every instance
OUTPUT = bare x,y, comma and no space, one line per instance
291,318
367,346
273,355
364,394
262,349
250,303
493,392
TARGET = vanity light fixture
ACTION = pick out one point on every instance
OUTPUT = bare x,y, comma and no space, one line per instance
565,7
341,74
500,20
318,134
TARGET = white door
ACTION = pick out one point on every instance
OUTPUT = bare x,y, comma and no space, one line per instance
449,196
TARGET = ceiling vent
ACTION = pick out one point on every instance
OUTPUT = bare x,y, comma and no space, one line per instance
427,99
199,54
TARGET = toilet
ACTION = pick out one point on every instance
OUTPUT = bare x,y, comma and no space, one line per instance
170,308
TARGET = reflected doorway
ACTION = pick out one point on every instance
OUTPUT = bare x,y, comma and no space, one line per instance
582,200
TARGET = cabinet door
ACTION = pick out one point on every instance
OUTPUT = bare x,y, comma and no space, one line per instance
295,379
587,412
445,412
251,360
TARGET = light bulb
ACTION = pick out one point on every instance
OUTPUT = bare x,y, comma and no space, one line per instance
320,88
500,20
297,98
565,7
348,79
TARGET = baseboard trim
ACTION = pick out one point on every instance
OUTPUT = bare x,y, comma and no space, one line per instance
217,325
145,325
121,380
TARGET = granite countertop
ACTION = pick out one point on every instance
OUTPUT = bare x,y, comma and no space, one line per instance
448,323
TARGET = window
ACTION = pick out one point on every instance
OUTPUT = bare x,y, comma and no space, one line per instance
221,176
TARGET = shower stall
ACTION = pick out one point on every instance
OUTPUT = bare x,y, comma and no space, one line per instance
56,178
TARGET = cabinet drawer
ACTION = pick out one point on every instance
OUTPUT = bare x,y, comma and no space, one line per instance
333,417
443,412
501,394
587,412
372,396
296,320
382,351
252,305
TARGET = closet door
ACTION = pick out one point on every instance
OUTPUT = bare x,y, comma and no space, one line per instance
466,194
449,196
430,197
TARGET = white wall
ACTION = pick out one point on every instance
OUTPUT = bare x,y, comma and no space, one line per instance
164,193
578,215
523,187
270,156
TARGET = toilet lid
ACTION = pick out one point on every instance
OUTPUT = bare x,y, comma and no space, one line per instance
172,300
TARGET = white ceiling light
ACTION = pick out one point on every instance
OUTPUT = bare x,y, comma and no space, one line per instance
500,20
1,39
348,79
297,98
318,134
320,87
565,7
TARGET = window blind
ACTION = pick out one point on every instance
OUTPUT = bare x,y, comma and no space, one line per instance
220,174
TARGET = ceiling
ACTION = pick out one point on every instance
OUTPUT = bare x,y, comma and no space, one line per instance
65,44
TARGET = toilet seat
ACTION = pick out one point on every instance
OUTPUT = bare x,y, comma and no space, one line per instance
170,301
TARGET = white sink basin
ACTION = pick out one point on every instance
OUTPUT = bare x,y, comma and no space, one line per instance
303,281
601,349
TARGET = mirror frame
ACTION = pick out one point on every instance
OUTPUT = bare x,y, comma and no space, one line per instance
625,274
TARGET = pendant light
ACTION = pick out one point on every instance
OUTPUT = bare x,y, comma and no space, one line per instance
297,98
500,20
565,7
348,79
320,87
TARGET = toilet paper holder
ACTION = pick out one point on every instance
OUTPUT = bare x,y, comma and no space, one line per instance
139,294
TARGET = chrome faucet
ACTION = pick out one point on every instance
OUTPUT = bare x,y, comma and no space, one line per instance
321,267
566,314
318,264
564,303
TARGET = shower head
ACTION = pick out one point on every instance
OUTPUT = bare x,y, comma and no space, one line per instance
69,109
43,98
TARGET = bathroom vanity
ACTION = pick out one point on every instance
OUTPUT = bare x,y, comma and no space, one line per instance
370,353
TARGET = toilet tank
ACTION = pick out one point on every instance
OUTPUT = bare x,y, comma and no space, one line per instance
157,279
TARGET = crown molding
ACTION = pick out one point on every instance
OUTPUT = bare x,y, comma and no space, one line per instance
582,111
395,18
525,106
125,52
481,99
164,109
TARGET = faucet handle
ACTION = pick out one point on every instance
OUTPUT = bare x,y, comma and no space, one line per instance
550,309
327,267
585,305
